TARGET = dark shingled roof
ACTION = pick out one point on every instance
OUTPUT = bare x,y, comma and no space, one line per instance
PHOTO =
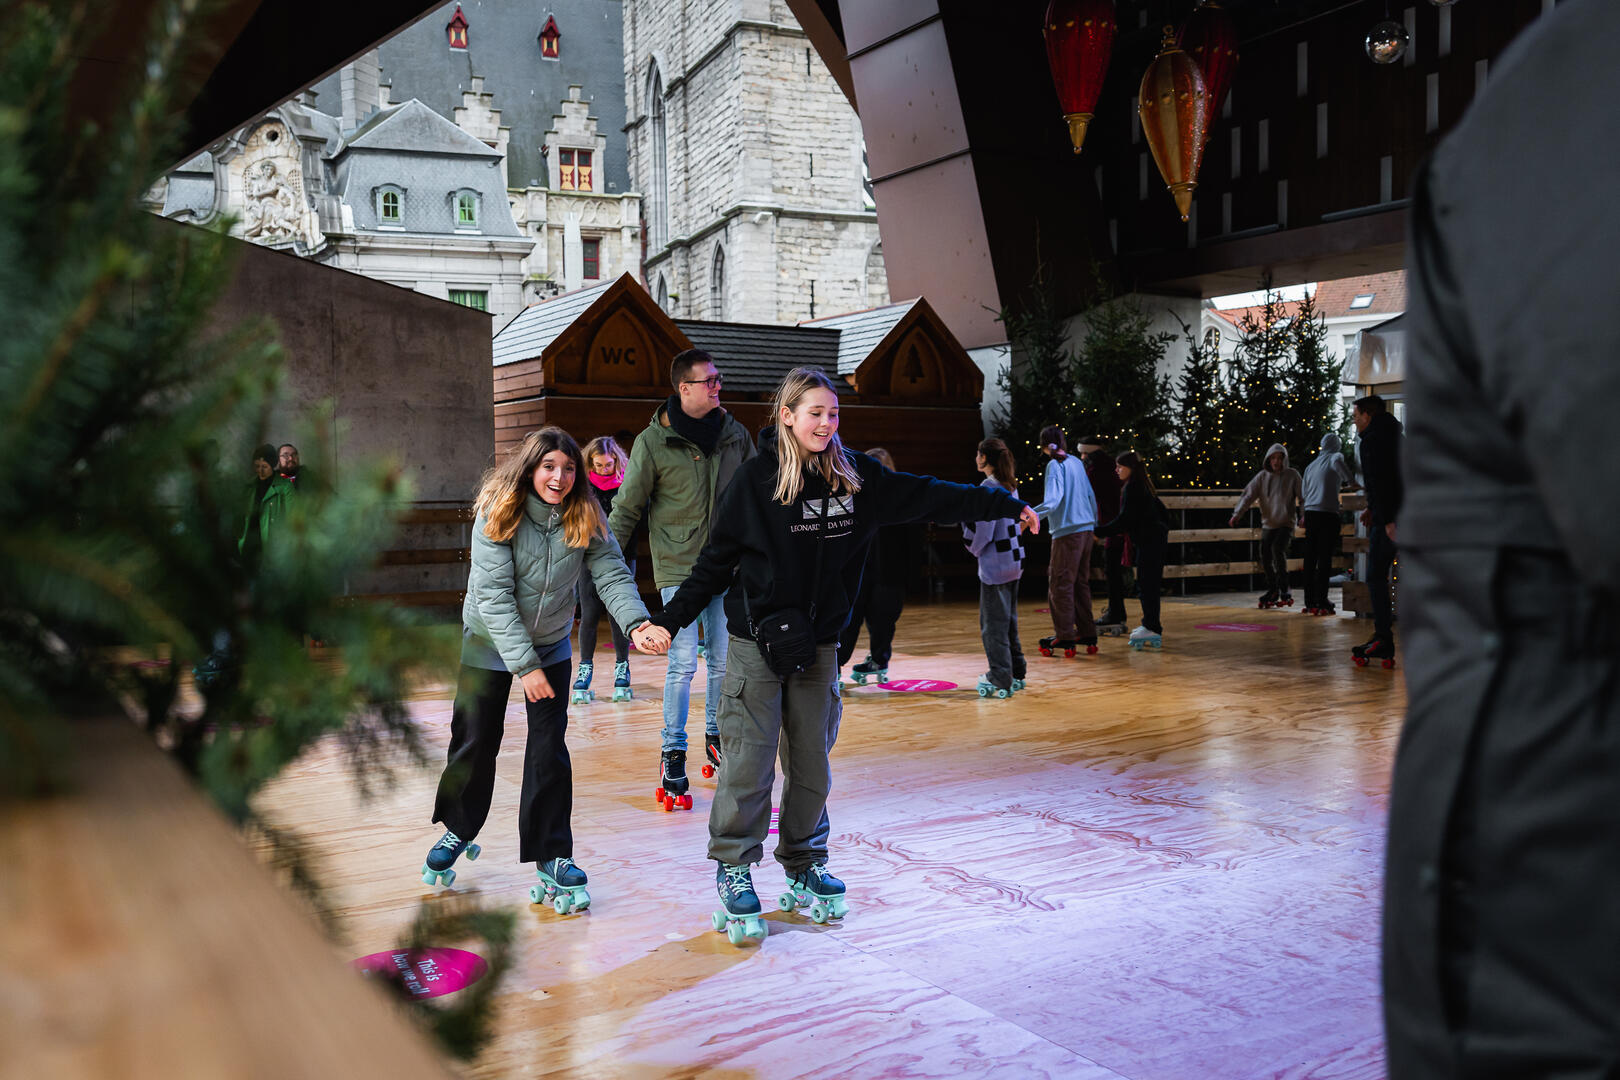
755,357
539,325
861,331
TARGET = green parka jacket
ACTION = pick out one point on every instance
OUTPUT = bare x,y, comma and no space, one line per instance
678,487
271,509
520,592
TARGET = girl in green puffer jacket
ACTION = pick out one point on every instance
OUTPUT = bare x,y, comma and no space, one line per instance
537,530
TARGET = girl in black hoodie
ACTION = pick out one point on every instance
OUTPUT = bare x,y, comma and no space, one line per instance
1145,523
793,529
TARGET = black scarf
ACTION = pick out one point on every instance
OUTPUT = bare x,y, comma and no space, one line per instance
704,433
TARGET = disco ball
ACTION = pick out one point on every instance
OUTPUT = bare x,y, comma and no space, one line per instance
1386,42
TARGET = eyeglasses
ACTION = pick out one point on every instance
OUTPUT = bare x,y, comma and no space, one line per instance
713,382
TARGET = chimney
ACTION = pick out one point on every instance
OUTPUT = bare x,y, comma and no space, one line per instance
358,85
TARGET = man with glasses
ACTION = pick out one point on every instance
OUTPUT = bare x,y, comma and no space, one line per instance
679,466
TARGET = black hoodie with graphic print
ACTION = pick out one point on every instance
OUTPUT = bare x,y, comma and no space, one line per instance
770,548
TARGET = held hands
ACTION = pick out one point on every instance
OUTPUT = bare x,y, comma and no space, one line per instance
536,687
650,639
1029,520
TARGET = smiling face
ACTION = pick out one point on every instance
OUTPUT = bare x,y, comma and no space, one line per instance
814,420
554,477
700,391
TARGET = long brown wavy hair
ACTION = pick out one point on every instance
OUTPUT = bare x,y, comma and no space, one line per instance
506,487
1138,468
835,466
1000,460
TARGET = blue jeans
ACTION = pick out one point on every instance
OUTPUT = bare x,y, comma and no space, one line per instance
683,665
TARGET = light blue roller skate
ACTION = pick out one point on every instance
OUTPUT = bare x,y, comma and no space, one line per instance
436,870
1018,684
740,917
987,688
621,681
1143,638
869,669
562,885
817,890
582,686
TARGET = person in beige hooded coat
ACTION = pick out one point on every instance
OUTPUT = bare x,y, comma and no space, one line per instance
1276,490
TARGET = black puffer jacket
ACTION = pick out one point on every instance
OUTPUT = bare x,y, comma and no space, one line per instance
1379,451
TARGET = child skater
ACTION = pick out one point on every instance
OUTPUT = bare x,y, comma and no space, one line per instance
792,528
1145,523
605,462
882,598
1000,550
535,534
1276,488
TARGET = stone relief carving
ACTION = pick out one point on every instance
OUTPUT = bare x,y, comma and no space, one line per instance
271,213
267,186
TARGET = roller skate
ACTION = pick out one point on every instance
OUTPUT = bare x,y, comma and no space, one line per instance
1268,600
1018,684
1112,624
817,890
562,885
671,791
1143,638
987,688
1286,599
1089,644
1052,645
621,681
711,750
436,869
582,686
869,669
1322,609
740,917
1381,649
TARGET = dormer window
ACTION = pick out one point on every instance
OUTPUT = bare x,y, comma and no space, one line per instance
466,210
1363,301
456,29
574,170
550,40
390,206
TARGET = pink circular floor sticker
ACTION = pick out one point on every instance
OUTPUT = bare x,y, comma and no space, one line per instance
917,686
426,973
1236,627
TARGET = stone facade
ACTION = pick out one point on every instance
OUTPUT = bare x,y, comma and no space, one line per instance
749,161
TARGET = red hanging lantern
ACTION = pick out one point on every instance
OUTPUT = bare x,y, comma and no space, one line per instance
1174,108
1210,38
1079,40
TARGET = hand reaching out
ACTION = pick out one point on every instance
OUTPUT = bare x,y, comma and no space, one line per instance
651,639
1030,521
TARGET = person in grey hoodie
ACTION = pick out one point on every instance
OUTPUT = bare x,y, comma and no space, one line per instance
1323,479
537,530
1276,490
1000,550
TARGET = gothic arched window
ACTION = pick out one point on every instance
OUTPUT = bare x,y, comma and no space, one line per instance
717,284
661,293
658,177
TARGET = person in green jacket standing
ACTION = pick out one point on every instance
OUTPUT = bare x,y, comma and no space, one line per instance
268,498
679,467
536,530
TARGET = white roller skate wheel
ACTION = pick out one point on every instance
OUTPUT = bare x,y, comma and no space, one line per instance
448,877
560,904
582,900
536,895
429,876
786,902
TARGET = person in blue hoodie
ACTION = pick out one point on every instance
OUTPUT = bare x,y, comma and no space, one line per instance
1323,479
1070,507
1000,550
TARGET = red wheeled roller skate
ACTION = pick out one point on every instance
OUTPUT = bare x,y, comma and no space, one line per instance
1380,649
1051,645
711,750
671,791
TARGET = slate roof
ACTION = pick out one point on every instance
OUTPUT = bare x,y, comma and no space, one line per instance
755,357
415,149
538,325
860,332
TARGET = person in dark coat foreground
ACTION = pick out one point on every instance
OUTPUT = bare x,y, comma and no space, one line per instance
1502,888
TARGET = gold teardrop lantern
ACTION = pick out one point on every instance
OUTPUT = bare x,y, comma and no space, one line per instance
1174,108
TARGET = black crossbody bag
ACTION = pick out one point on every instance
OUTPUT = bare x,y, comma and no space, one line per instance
787,638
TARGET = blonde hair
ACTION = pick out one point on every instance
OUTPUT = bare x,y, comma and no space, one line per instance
506,487
833,464
882,457
604,446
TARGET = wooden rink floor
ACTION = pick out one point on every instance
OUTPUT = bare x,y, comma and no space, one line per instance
1147,865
